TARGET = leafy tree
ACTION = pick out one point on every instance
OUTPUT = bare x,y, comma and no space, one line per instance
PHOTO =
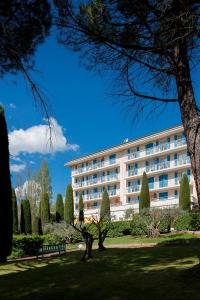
26,217
105,207
44,209
69,205
151,44
6,214
81,209
15,212
184,197
144,202
43,178
59,208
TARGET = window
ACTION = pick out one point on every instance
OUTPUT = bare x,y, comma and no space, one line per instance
176,178
151,183
175,194
163,180
112,159
149,148
136,200
163,196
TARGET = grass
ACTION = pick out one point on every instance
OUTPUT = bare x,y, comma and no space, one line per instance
128,239
115,274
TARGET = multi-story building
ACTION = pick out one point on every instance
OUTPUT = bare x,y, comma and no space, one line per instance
119,169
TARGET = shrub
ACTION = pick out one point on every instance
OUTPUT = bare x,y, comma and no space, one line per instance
119,228
165,225
138,225
27,245
188,221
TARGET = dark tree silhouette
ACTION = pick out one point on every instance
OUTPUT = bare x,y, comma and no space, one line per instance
151,43
6,214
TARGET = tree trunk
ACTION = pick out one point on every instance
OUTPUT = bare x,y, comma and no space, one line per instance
88,243
102,237
189,111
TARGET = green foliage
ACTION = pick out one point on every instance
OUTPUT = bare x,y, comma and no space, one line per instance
119,228
27,245
105,207
44,209
69,205
61,232
81,209
15,212
59,208
6,214
184,197
43,178
26,217
165,225
138,225
25,25
36,225
188,221
144,202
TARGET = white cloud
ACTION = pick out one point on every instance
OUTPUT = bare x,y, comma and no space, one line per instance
17,168
12,105
36,139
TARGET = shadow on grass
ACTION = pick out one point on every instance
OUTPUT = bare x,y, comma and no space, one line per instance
116,274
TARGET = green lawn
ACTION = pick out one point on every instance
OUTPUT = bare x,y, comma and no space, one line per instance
129,239
116,274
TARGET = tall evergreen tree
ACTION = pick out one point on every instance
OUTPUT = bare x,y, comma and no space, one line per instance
184,197
26,218
44,209
15,212
105,207
43,178
81,209
6,214
59,208
144,194
69,205
22,219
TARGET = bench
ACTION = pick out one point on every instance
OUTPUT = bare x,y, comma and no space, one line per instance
61,248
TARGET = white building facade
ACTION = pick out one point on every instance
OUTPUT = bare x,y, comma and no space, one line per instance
119,169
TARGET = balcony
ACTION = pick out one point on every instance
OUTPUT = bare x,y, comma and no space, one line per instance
182,161
98,195
132,189
132,172
97,181
158,166
97,166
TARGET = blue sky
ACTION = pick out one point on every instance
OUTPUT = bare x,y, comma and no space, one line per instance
82,104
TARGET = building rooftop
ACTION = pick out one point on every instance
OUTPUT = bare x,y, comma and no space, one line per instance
126,144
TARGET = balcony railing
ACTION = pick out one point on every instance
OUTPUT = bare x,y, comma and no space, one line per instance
98,165
158,166
132,189
97,180
97,195
132,172
182,161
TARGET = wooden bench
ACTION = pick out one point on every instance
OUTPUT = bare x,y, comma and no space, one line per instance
60,248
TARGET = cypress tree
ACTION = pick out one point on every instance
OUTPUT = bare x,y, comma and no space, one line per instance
144,194
105,207
69,205
6,214
15,212
45,209
22,220
27,228
81,209
184,197
59,208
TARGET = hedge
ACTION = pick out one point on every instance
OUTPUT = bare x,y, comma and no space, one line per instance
26,245
188,221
